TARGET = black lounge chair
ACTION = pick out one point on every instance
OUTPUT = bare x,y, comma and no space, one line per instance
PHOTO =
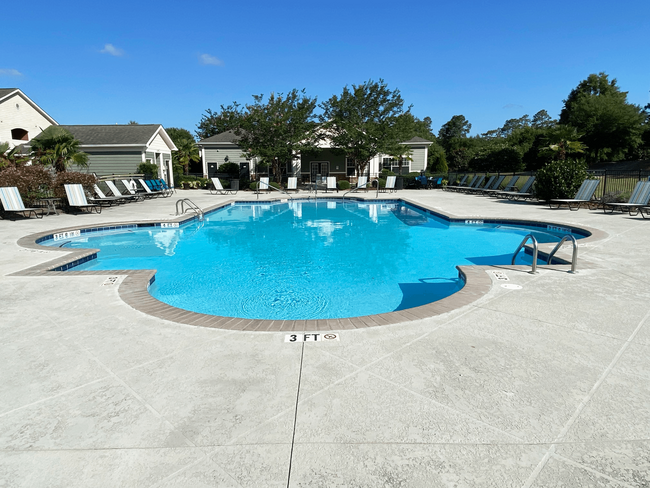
522,194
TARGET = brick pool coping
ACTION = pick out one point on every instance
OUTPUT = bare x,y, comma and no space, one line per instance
133,290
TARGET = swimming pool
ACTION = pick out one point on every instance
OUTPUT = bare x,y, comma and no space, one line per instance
307,259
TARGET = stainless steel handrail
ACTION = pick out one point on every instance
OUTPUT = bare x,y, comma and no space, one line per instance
528,237
191,205
269,187
355,189
574,256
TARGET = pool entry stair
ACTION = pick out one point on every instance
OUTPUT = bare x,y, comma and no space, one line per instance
190,206
531,238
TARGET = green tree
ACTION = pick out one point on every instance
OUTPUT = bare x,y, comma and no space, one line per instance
542,120
57,147
187,151
229,117
598,109
11,157
274,130
457,127
361,121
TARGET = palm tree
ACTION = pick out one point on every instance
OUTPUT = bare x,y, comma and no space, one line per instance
11,157
57,147
187,152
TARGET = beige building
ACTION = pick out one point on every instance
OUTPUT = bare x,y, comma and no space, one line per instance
20,118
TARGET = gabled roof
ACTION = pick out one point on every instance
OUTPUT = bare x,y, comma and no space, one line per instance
227,137
417,140
7,93
118,135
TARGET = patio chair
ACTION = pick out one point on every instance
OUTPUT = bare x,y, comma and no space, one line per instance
460,184
148,191
584,195
434,183
637,201
168,190
103,199
511,186
264,184
522,194
390,184
77,198
292,183
331,184
12,202
362,184
476,184
135,198
496,183
478,188
132,188
219,189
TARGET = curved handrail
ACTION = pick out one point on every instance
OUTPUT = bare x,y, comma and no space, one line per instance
190,205
528,237
269,187
355,189
574,256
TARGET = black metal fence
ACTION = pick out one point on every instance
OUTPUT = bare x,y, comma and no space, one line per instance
612,182
617,182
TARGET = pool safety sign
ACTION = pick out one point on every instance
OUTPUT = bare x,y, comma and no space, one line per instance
312,337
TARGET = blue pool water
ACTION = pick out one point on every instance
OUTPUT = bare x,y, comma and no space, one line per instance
306,260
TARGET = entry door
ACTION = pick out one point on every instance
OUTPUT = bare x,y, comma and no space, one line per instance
244,171
319,168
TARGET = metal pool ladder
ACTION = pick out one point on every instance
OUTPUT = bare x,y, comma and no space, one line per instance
531,237
191,206
574,255
528,237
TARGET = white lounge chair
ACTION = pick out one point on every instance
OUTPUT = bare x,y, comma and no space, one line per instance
77,198
117,193
219,189
102,198
362,184
292,183
13,202
331,184
390,184
264,184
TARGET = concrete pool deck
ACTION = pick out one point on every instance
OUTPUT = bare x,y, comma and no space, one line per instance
547,385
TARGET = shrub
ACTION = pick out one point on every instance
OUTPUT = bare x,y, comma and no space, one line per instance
386,172
232,169
33,182
195,182
343,185
560,179
149,170
71,177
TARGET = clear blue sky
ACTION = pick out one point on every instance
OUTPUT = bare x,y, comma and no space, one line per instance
167,62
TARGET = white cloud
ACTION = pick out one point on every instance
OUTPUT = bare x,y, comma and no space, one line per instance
10,72
513,105
112,50
209,59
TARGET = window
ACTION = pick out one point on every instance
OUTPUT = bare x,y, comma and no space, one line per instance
350,166
19,135
388,163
